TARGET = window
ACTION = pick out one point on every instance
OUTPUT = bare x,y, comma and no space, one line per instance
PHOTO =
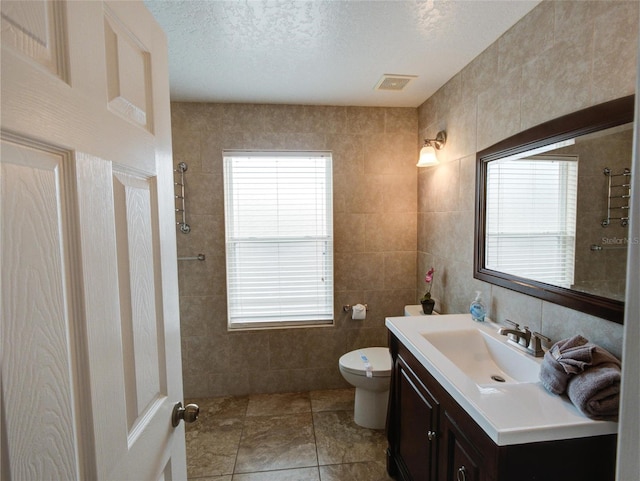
279,238
531,217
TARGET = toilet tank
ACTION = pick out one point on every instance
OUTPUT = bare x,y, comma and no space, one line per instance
415,310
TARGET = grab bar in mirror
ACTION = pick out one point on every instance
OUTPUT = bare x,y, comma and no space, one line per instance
617,194
595,247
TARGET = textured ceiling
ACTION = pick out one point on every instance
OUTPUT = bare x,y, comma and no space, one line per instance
324,52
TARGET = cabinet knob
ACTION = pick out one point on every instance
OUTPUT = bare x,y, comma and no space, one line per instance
461,475
431,435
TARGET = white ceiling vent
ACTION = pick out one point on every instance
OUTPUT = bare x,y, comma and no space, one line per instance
394,82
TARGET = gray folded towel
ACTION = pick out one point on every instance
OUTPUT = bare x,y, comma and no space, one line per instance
596,390
565,359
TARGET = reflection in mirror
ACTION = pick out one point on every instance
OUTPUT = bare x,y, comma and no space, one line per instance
553,210
601,246
531,217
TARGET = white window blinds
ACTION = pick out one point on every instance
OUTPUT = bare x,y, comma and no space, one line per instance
279,238
531,217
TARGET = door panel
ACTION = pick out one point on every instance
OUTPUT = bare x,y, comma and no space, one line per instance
103,201
139,293
35,317
98,258
37,30
128,73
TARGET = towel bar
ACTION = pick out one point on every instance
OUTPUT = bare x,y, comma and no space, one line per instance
181,168
199,257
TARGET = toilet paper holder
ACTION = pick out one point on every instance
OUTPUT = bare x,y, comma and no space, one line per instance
348,307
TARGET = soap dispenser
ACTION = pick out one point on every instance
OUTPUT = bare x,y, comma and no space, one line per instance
477,308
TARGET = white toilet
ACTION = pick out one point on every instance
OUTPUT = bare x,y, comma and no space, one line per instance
369,370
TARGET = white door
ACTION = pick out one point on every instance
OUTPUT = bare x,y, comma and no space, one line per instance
90,341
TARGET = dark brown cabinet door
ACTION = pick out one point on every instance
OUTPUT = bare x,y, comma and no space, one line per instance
460,461
417,426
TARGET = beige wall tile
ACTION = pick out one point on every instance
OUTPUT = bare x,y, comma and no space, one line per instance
461,129
329,119
202,278
528,38
201,193
243,118
358,271
207,235
365,120
349,232
615,56
387,303
362,195
195,116
467,184
186,148
390,153
198,313
390,232
211,152
287,119
559,323
293,380
480,74
549,91
226,384
499,109
304,348
399,268
366,337
400,194
401,119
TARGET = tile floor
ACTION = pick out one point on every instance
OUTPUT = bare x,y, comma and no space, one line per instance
307,436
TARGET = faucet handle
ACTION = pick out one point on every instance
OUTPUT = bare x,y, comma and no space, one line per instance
540,336
535,345
514,324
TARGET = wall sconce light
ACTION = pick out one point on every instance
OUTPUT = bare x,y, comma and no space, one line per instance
428,151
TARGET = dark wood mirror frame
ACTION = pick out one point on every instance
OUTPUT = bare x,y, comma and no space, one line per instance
592,119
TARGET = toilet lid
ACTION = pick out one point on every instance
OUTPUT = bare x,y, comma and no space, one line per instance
378,357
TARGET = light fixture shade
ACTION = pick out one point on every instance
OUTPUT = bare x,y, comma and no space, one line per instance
427,156
428,151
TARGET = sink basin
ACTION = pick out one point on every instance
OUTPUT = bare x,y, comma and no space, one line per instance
483,358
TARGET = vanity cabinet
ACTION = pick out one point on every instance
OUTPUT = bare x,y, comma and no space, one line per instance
432,438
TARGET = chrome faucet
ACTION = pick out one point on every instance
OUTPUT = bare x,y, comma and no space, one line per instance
526,340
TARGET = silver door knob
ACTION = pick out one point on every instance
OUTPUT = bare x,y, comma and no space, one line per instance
189,413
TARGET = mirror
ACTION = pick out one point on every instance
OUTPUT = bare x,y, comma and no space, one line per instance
552,210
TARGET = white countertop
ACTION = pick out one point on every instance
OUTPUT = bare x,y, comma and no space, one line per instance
508,413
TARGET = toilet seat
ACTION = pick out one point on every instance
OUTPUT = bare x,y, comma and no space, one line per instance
378,357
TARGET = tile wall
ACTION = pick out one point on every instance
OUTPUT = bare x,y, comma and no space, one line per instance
562,57
375,229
